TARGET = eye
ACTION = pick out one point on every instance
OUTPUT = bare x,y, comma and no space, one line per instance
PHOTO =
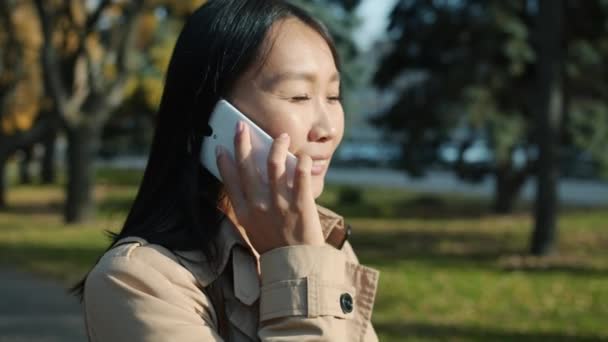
337,98
300,98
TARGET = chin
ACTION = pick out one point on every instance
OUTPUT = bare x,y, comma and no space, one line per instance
317,187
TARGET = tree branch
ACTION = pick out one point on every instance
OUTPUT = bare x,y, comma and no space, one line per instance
95,74
81,89
90,25
13,63
50,67
94,18
127,35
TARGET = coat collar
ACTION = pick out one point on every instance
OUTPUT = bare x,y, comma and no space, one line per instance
231,247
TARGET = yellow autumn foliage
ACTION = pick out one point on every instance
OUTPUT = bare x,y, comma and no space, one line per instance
20,104
131,87
153,90
19,111
109,71
22,101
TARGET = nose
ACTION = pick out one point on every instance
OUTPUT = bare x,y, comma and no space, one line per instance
323,128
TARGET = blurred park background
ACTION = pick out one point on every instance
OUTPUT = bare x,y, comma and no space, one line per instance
474,167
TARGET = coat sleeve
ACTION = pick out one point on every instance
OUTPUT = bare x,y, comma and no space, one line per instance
315,293
126,299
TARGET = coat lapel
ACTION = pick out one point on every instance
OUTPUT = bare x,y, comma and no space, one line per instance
241,299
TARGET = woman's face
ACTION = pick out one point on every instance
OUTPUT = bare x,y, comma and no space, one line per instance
296,91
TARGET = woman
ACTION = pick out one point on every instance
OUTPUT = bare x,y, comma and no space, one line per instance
254,260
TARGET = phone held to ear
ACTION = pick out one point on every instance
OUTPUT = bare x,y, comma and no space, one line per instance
223,121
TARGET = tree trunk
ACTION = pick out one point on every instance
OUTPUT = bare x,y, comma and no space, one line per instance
3,181
82,145
25,176
508,183
549,113
47,167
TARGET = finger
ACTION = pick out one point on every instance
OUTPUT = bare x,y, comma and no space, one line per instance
248,173
276,169
230,176
303,183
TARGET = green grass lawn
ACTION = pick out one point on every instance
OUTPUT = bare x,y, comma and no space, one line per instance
450,271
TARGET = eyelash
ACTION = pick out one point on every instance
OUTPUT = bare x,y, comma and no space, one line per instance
300,98
306,97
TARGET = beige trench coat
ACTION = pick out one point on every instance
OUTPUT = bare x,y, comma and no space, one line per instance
144,292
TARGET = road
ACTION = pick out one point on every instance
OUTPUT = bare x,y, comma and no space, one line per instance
571,191
34,309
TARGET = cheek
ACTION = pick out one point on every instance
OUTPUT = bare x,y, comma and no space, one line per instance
273,117
339,124
286,123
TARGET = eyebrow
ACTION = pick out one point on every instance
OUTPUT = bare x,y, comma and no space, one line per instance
290,75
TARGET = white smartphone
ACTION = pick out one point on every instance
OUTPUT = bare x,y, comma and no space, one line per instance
223,121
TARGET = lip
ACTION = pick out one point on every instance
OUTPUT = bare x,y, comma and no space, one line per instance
319,165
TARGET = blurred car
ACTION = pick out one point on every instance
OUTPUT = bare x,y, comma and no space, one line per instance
580,164
367,154
478,160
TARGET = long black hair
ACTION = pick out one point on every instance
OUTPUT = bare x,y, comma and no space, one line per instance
177,202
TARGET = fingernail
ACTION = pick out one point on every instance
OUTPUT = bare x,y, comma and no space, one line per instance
284,136
218,151
239,127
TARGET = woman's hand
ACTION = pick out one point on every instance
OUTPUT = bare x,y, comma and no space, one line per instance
273,215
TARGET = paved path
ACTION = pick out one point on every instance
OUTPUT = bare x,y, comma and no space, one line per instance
572,192
34,309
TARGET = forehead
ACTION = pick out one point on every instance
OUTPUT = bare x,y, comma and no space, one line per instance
293,46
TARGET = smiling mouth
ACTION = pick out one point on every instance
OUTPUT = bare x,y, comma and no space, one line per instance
319,166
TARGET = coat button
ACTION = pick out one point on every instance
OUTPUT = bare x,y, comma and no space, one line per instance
346,303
